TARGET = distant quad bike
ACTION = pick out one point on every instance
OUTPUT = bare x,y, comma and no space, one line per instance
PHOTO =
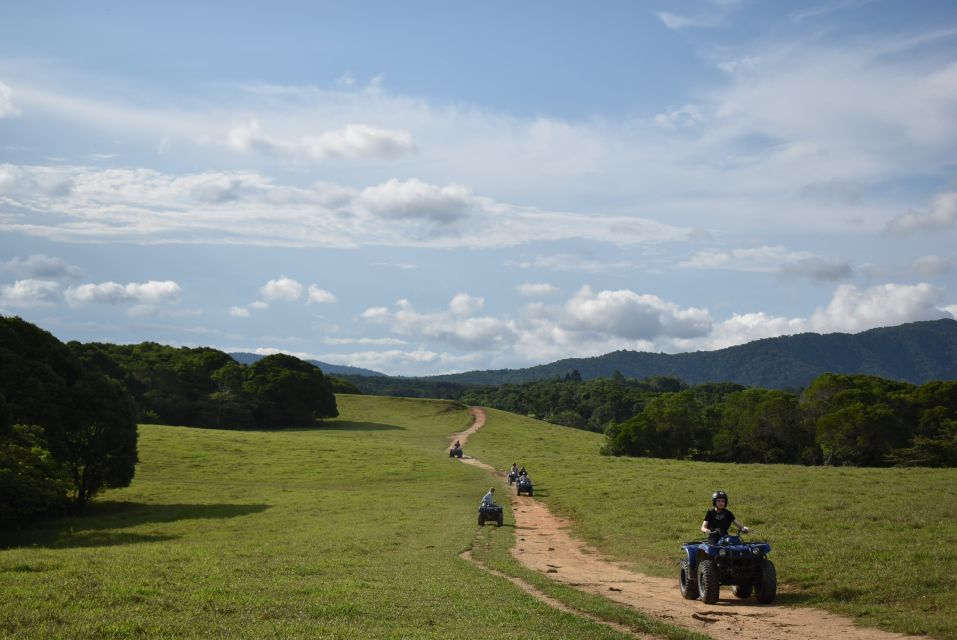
512,478
524,485
455,452
727,560
491,513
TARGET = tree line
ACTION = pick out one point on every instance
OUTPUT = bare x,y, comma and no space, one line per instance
69,412
838,419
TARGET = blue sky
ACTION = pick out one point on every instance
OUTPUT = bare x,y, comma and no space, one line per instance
423,187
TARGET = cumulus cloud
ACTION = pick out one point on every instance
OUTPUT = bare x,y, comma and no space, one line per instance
7,108
30,293
282,289
451,325
686,117
816,268
853,310
536,290
634,316
320,295
114,293
239,312
942,216
414,199
39,266
354,141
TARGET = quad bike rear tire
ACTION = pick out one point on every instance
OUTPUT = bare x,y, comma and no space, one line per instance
708,581
500,519
742,591
686,582
768,586
481,520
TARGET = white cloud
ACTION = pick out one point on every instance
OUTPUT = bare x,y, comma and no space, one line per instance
570,262
85,204
942,216
932,265
633,316
853,310
39,266
536,290
951,309
413,199
239,312
283,289
354,141
465,305
686,117
764,258
7,108
320,295
365,341
114,293
30,293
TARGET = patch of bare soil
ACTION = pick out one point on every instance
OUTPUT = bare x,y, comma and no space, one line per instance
544,544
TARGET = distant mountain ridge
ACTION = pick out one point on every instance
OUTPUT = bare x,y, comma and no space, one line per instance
332,369
916,352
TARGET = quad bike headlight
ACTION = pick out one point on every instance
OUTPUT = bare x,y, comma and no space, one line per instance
723,552
756,551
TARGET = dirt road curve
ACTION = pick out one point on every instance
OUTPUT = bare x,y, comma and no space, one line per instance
543,544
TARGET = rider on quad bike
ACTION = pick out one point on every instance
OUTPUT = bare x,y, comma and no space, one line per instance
719,519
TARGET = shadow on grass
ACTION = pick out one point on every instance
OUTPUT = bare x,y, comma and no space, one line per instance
348,425
101,523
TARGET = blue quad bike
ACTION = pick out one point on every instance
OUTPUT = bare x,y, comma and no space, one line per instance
490,513
455,452
727,560
524,486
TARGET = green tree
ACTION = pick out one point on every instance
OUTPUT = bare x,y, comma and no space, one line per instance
101,442
287,391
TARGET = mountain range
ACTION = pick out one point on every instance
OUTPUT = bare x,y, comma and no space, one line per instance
916,352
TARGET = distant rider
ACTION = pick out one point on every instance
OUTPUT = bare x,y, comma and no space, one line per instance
719,519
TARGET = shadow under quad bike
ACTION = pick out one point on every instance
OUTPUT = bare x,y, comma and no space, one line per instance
727,560
492,513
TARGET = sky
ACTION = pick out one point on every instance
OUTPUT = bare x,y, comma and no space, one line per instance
432,187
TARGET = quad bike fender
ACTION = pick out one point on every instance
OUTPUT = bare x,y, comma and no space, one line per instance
691,555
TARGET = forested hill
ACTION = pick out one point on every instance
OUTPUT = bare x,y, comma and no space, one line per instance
916,352
328,369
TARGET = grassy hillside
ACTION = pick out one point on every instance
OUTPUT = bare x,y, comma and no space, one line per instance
352,530
878,544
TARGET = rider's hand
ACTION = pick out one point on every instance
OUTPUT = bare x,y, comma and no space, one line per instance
745,530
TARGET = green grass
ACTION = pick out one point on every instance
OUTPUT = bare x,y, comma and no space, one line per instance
876,544
346,531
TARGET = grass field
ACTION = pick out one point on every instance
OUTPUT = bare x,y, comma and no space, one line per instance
876,544
351,530
354,530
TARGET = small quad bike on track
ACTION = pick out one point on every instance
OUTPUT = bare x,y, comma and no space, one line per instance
524,485
726,560
455,452
490,513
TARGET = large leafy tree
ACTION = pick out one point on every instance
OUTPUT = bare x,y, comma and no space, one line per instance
286,391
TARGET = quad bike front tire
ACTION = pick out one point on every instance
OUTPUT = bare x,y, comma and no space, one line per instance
500,519
686,582
768,586
742,591
481,520
708,581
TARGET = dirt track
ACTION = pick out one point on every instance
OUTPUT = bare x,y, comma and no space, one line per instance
543,544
